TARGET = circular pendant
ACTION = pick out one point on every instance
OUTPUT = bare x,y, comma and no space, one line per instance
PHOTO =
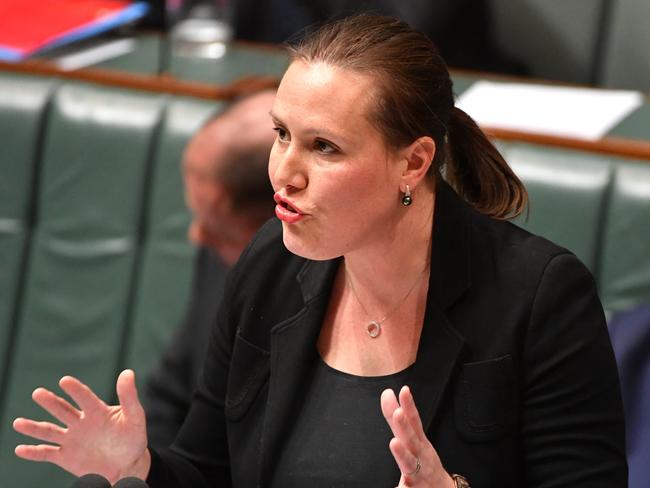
374,328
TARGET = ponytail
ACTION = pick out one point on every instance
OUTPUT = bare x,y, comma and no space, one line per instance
478,172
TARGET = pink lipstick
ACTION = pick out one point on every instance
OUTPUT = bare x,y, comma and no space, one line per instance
286,211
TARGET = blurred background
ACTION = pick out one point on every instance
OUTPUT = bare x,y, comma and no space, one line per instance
594,42
591,42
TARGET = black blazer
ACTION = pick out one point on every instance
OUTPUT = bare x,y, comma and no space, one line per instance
514,379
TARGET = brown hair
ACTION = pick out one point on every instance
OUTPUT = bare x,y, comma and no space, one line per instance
414,99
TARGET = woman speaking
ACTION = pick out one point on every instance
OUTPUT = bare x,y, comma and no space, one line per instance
390,327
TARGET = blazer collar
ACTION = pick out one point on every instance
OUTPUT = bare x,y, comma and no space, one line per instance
440,342
450,255
293,341
293,354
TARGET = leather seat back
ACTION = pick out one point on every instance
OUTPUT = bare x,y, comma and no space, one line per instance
166,262
23,104
95,171
625,259
568,192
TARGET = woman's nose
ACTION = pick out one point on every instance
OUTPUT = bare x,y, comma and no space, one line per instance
287,169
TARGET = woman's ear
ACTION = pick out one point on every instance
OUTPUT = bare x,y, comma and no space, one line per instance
419,158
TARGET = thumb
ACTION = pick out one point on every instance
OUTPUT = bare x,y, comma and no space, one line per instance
127,393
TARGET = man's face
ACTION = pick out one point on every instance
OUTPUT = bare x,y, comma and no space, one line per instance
212,220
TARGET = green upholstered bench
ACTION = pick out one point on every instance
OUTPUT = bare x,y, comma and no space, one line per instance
22,104
94,263
624,265
165,251
598,206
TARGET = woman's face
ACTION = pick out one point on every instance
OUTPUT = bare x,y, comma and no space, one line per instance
336,183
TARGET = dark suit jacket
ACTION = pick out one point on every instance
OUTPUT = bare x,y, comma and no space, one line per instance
515,379
167,394
630,333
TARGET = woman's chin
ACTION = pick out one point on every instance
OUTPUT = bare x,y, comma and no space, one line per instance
305,246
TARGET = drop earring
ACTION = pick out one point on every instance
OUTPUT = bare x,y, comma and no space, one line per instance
406,199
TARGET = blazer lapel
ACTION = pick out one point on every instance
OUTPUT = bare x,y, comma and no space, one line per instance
293,353
440,343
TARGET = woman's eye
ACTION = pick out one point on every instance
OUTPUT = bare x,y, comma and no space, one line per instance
324,147
282,133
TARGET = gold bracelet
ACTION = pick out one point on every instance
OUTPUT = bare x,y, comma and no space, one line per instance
460,481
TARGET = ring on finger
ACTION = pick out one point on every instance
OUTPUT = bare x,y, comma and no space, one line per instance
418,466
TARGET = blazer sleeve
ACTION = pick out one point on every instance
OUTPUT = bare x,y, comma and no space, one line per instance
573,431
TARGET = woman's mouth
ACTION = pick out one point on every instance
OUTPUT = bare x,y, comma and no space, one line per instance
286,211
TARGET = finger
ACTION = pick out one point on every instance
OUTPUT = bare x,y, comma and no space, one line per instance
81,394
406,461
44,431
388,406
127,393
41,453
407,403
403,431
56,406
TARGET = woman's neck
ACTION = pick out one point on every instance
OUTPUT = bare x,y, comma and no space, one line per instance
384,283
382,269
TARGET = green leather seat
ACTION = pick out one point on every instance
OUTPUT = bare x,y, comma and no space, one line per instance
23,102
94,171
625,259
167,257
568,191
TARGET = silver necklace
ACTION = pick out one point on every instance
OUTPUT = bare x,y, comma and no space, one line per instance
374,326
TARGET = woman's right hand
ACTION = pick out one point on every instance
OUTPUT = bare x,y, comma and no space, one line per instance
97,438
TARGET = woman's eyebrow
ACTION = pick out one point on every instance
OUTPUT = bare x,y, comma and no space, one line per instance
319,132
274,116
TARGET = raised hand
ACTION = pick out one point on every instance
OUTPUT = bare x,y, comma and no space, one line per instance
417,459
97,438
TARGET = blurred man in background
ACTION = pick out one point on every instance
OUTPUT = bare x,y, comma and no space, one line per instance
228,192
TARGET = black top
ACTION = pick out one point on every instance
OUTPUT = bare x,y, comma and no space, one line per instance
630,333
340,437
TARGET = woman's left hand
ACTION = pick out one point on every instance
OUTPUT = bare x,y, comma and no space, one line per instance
415,456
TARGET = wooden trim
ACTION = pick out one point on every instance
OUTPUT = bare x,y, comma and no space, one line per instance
149,83
629,148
